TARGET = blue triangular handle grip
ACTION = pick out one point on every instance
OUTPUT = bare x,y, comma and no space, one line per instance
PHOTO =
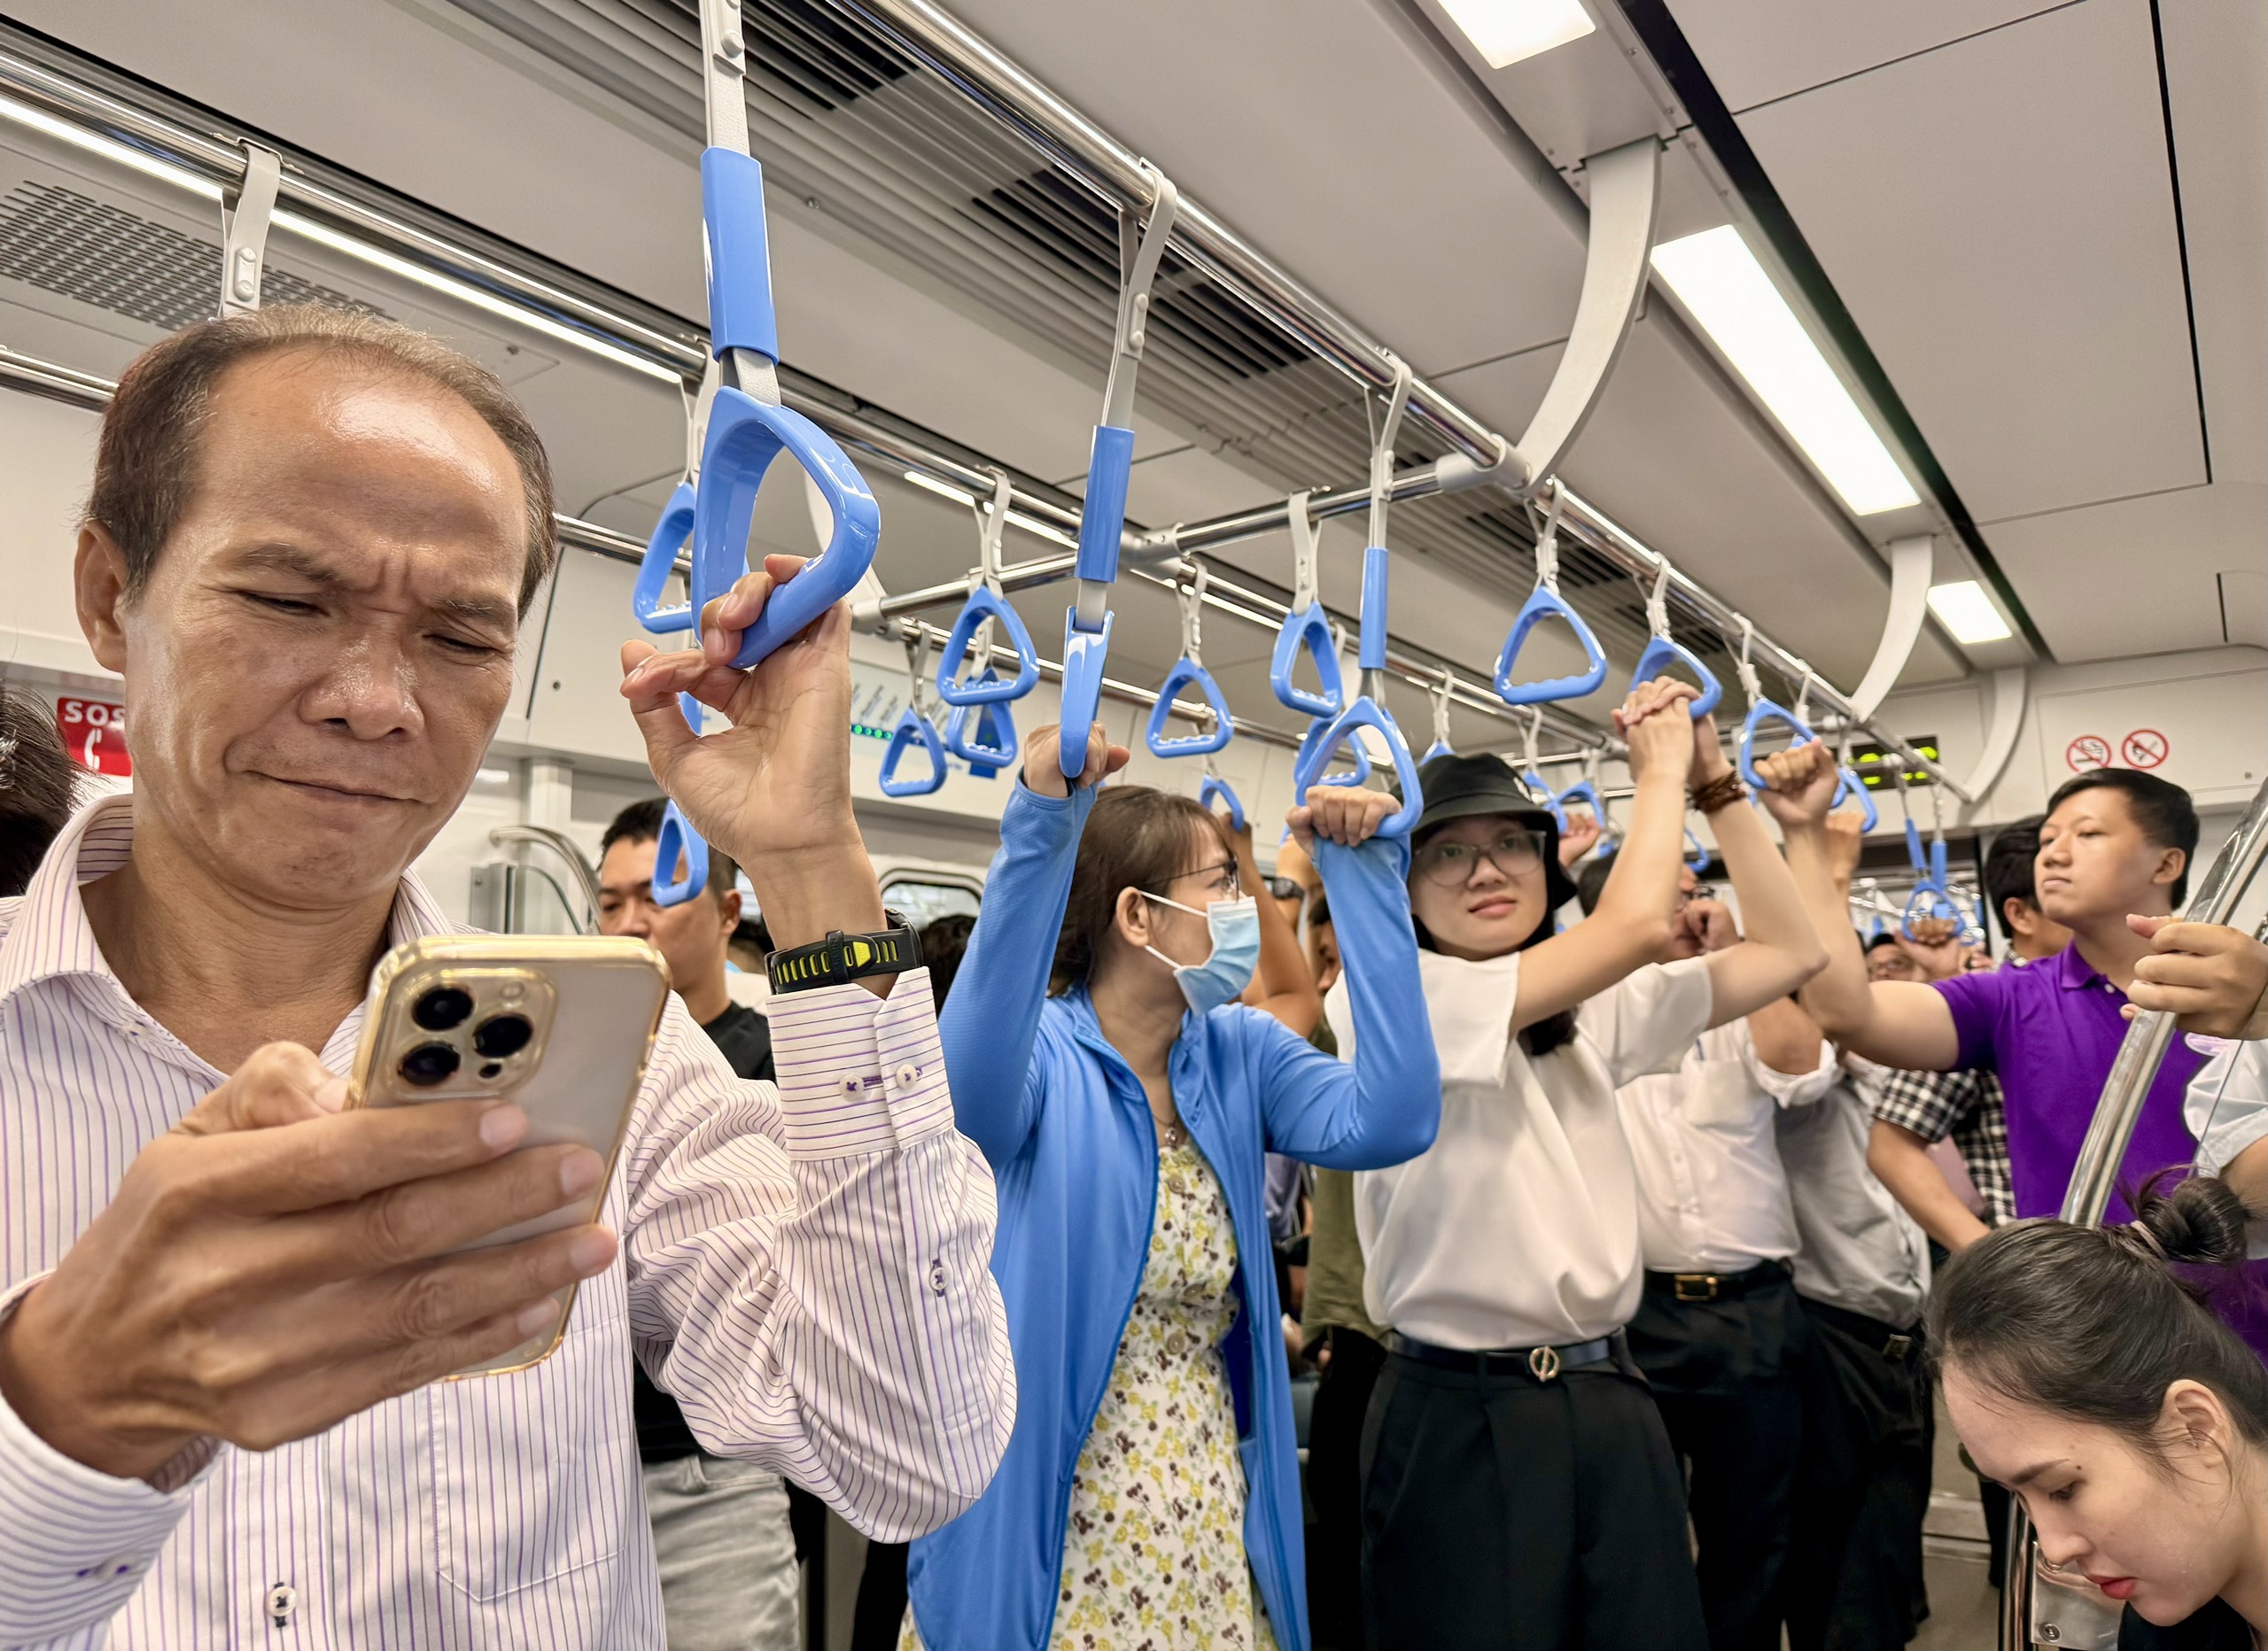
1541,605
1084,653
913,728
1311,631
983,735
1367,713
1663,652
1587,793
1927,901
1440,747
745,435
660,560
1847,786
1542,787
739,261
1186,673
1308,765
1760,713
1699,859
988,686
1215,789
674,840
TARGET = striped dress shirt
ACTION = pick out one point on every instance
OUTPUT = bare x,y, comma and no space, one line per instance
805,1268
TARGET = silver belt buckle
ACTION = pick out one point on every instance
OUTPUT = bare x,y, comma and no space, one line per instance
1543,1363
1897,1347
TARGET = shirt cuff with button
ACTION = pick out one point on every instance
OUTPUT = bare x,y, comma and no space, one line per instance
75,1543
858,1073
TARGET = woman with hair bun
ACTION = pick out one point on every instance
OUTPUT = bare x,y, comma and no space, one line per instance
2084,1372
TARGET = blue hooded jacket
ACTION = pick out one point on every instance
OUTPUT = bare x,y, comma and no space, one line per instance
1065,1124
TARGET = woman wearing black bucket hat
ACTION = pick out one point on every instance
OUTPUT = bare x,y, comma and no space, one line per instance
1519,1490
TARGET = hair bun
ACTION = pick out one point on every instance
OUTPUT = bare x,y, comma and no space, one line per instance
2201,1220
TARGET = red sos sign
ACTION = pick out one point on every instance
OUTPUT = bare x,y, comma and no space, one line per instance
94,733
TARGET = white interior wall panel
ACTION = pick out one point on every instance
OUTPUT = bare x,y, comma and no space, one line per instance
47,454
1999,218
1757,50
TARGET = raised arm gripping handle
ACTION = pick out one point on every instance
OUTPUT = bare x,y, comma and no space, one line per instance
1215,789
1760,715
676,838
1662,651
1847,786
1364,713
1188,673
1927,901
987,686
1542,604
659,562
913,726
982,733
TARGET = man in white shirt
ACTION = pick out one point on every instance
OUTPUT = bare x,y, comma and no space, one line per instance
1718,1332
225,1300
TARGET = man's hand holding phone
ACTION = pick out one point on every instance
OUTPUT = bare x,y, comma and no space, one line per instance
274,1265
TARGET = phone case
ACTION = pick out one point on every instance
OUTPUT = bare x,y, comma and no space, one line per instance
587,1008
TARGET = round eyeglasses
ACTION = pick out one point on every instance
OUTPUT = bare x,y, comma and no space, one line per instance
1450,864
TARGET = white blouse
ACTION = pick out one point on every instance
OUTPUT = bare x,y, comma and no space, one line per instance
1520,1227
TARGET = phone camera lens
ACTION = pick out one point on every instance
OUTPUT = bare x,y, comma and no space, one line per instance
441,1008
429,1064
502,1036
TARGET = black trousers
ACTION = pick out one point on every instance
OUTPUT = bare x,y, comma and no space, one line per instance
1855,1579
1726,1374
1502,1514
1342,1399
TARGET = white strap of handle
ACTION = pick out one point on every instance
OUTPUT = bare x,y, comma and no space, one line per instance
1306,584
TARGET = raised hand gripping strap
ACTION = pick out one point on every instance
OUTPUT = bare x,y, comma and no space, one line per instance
1663,652
659,562
1308,765
983,735
1310,629
676,838
1761,713
1215,789
1541,605
987,686
1187,673
1366,713
1847,786
913,726
745,435
1927,901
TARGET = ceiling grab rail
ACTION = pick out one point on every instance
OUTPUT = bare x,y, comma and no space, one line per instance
2041,1605
914,725
747,427
676,838
1663,649
971,641
1545,602
1110,463
1306,626
1763,712
1368,710
1441,697
1531,774
1189,672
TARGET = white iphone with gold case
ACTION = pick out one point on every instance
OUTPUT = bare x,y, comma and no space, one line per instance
562,1025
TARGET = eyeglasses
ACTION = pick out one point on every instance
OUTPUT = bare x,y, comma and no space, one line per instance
1451,863
1226,871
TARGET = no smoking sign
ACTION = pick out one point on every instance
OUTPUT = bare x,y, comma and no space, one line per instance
2145,748
2088,751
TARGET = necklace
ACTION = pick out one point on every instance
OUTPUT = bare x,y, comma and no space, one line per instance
1172,1131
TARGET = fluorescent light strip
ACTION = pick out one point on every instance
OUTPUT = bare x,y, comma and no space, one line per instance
1017,518
1717,277
464,292
1506,31
1965,609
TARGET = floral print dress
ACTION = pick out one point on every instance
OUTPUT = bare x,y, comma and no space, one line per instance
1153,1545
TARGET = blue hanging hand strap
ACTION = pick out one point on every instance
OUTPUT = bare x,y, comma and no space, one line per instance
1312,758
1216,790
1545,602
1586,792
1189,672
1441,697
1762,712
668,538
983,735
1531,774
1697,861
987,606
914,727
1326,738
1848,786
1306,628
1663,650
674,840
1102,512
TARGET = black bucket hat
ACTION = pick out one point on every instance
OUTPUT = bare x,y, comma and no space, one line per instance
1457,787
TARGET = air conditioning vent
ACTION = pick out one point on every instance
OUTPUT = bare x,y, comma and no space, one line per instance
65,242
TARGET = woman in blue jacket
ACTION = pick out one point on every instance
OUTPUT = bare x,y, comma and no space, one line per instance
1150,1494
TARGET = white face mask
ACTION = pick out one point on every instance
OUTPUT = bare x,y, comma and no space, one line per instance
1221,978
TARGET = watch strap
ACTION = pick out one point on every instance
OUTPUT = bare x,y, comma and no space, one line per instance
840,958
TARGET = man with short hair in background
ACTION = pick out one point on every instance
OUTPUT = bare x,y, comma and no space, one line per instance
721,1529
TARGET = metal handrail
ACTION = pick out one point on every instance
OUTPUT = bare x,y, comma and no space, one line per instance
2140,1052
565,847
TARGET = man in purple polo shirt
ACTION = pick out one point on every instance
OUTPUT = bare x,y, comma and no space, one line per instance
2116,842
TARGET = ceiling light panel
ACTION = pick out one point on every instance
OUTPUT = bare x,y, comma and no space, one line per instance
1718,280
1506,31
1966,611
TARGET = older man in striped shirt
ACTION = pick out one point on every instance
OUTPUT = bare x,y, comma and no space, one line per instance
223,1300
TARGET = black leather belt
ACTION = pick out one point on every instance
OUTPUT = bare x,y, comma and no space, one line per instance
1892,1343
1539,1364
1697,1287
